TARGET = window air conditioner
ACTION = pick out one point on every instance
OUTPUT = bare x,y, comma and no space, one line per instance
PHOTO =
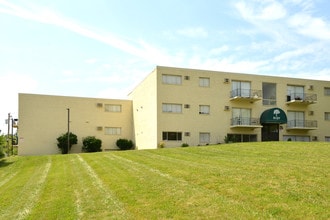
99,105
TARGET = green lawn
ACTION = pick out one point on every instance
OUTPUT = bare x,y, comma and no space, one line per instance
275,180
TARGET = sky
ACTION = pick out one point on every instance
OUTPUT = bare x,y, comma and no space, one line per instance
104,48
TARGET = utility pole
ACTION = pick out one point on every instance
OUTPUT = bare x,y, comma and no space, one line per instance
68,130
8,122
12,135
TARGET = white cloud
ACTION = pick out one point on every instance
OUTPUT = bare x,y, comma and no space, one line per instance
91,60
261,10
310,26
44,15
196,32
293,54
219,50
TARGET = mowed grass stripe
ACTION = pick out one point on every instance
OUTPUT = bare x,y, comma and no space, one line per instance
107,202
153,193
238,181
27,196
266,185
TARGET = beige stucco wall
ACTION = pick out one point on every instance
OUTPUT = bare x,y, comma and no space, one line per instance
144,98
217,123
43,118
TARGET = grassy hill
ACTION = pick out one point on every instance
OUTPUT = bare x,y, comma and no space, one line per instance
235,181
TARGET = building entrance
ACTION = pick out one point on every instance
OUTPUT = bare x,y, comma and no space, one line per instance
271,120
270,132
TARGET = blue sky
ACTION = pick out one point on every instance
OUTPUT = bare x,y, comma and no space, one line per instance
104,48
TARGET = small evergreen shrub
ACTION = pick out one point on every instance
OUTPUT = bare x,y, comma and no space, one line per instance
62,142
91,144
124,144
185,145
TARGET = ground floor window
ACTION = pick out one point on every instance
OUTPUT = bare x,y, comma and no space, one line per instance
327,138
112,130
204,137
172,136
241,138
296,138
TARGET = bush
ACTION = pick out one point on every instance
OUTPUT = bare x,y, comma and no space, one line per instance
91,144
62,142
124,144
185,145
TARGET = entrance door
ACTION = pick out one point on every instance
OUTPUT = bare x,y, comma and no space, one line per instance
270,132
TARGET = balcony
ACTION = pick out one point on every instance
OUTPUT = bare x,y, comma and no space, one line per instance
301,125
244,122
301,99
249,95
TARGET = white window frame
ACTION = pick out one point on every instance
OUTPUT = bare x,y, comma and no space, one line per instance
241,88
172,108
172,79
327,116
112,108
204,137
297,138
298,117
204,109
295,92
204,81
177,134
326,91
112,130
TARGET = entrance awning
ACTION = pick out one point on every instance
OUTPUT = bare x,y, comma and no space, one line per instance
273,116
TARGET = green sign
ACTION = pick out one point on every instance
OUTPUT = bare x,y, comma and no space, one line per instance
273,116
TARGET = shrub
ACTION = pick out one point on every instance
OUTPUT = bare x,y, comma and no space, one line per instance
62,142
124,144
91,144
185,145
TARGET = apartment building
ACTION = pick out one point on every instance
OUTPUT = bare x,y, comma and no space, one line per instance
43,118
172,106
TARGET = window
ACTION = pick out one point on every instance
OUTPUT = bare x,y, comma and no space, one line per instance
295,93
204,82
241,116
112,108
241,89
204,109
327,116
174,108
112,130
327,138
172,79
204,137
269,93
296,138
172,136
296,119
326,91
241,137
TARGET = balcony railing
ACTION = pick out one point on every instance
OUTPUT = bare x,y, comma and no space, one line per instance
302,124
246,94
301,98
245,122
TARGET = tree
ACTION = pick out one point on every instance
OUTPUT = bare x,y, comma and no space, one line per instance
2,145
124,144
62,142
91,144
